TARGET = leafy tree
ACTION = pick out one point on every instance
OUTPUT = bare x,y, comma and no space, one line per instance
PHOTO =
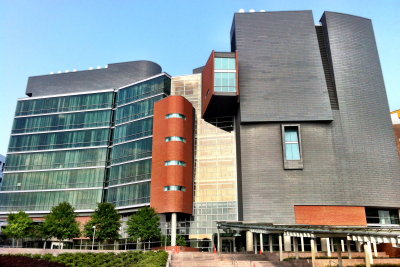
107,221
180,241
144,225
60,223
20,225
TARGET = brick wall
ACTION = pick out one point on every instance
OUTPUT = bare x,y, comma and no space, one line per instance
330,215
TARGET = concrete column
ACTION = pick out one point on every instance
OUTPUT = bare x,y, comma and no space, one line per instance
218,241
324,243
261,243
173,229
287,243
328,247
339,249
255,243
271,246
332,245
249,241
358,246
371,258
296,247
348,248
280,248
375,249
302,244
342,244
367,256
313,251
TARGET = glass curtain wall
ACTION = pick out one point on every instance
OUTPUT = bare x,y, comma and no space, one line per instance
58,152
215,183
83,148
129,170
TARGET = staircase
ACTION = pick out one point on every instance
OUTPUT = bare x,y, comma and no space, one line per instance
202,259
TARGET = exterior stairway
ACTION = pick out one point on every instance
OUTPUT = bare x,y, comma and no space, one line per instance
201,259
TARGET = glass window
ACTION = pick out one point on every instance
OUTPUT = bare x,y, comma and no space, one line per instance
175,138
148,88
175,115
64,104
292,147
225,63
62,121
175,188
382,216
175,162
133,194
225,82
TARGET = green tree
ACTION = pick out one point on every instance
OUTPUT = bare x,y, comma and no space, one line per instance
180,241
144,224
107,221
19,225
60,223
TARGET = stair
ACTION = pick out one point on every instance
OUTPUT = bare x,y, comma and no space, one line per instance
201,259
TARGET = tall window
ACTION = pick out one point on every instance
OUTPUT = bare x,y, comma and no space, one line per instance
292,147
225,75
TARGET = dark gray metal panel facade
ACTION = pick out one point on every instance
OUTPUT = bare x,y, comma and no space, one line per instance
349,161
280,67
114,76
368,153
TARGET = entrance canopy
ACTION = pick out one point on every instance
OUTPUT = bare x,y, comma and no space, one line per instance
352,233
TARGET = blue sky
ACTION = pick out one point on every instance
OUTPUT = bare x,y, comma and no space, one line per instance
43,36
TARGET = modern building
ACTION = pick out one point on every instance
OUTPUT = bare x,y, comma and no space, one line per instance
395,115
84,137
2,166
287,129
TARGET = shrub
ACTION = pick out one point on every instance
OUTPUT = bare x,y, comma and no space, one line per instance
125,259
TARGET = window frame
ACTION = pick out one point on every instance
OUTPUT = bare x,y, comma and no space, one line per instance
292,164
